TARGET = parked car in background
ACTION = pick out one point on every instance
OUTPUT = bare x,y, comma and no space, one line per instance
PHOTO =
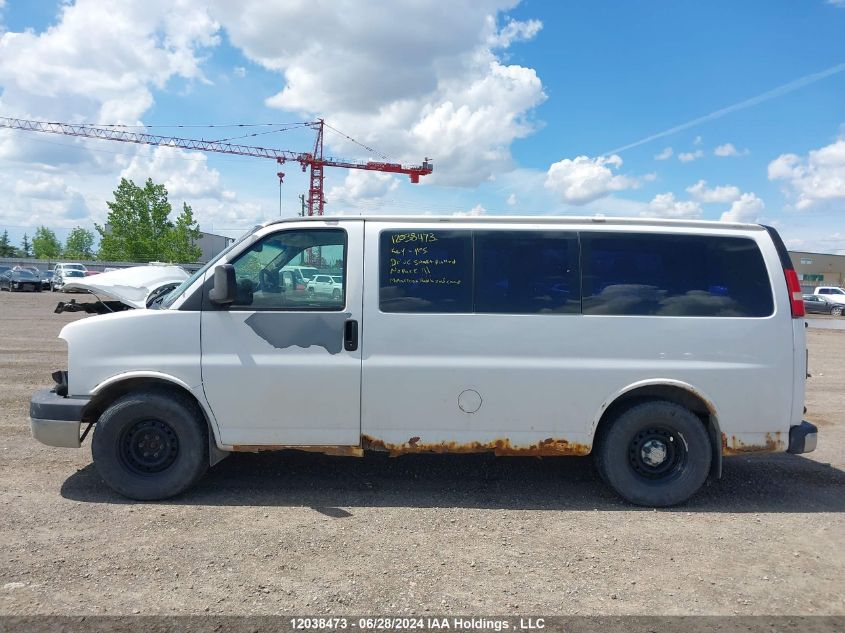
834,293
33,269
299,275
62,276
14,280
61,267
822,304
46,279
326,285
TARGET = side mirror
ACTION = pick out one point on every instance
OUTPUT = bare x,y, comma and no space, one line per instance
225,286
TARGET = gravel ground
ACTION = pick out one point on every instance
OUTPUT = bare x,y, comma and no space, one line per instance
309,534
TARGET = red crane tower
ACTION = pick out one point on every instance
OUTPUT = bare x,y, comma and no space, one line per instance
315,161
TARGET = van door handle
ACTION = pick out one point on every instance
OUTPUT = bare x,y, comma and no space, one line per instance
350,335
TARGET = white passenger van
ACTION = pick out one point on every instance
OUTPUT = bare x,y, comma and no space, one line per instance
655,346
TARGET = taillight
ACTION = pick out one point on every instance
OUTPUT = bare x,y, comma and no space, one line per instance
796,301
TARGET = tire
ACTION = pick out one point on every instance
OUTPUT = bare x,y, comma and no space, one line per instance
836,311
151,445
629,449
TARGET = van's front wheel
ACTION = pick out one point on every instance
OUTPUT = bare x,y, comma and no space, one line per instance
150,445
656,453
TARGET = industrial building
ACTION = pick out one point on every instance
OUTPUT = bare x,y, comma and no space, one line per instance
818,269
211,244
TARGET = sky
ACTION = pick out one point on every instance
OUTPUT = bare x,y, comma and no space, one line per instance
724,111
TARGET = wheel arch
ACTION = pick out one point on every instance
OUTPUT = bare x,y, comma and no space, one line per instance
670,390
108,391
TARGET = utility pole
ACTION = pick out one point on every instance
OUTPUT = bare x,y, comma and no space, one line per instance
281,176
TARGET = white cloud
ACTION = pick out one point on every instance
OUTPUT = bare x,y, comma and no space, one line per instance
239,71
728,149
818,178
476,211
361,187
688,157
37,198
410,79
512,201
664,205
837,3
697,140
81,69
184,174
723,194
815,241
746,209
665,154
582,179
515,31
39,185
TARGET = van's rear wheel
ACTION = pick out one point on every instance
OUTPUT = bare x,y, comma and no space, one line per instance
150,445
655,454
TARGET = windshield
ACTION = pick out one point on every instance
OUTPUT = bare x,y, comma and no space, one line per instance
338,280
179,290
25,274
73,273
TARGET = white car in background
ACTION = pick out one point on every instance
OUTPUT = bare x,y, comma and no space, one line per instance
59,268
331,285
62,276
833,293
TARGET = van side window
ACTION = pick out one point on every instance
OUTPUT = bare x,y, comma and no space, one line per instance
674,275
425,271
266,278
527,272
501,272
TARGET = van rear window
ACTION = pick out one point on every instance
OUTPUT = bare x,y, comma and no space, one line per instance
674,275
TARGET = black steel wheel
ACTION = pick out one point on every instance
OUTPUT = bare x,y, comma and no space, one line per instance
151,445
655,453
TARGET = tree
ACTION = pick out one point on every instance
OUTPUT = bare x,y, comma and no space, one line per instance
79,244
45,245
26,246
138,228
183,236
6,248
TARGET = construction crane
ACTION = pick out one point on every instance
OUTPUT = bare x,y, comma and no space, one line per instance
314,160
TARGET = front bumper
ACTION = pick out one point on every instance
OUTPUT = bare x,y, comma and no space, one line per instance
55,419
802,438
